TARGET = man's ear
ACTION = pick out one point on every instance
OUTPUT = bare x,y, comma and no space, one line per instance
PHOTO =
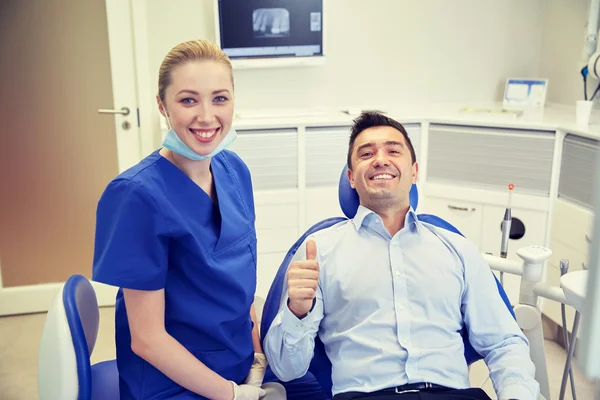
415,172
351,178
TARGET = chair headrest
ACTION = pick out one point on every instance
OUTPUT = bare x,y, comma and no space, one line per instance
349,200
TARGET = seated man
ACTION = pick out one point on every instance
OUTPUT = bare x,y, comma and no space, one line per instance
388,294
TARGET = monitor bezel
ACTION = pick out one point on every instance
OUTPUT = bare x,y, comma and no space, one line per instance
273,62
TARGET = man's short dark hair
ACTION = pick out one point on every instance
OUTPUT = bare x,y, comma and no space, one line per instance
370,119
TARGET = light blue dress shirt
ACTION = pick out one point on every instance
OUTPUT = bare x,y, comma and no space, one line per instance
389,311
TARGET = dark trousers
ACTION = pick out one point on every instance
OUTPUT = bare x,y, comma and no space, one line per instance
451,394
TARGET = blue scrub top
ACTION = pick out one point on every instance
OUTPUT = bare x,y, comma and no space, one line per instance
156,229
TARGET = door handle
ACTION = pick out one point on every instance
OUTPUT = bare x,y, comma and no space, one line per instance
460,208
122,111
588,238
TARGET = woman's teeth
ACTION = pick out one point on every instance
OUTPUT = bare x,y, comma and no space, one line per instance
204,134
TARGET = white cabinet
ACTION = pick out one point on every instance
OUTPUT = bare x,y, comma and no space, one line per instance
491,158
276,231
464,215
570,239
321,203
573,215
481,223
272,158
533,223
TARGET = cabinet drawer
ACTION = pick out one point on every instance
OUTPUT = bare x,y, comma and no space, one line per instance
464,215
572,225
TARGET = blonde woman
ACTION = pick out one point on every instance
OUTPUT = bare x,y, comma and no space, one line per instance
176,234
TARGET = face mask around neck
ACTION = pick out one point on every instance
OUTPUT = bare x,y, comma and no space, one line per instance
176,145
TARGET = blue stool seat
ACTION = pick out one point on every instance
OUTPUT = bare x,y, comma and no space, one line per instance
68,340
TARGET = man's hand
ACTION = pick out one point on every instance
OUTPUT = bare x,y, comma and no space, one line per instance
303,279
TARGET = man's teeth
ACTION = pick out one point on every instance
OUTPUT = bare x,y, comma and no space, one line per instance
383,176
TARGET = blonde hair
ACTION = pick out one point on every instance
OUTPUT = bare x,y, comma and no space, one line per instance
194,50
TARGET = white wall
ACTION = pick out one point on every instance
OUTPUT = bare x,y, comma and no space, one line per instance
564,24
380,51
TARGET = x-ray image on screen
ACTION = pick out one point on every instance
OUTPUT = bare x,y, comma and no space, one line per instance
271,22
261,29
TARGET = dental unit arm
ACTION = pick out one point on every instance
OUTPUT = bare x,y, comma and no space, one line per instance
527,311
506,225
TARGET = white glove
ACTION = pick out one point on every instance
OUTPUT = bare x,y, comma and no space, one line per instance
257,371
247,392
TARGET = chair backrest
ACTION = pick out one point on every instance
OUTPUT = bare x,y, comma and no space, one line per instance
320,365
68,338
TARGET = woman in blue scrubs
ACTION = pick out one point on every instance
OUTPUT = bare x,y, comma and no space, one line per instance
176,234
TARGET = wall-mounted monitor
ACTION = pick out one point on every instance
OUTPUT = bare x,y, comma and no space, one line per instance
270,33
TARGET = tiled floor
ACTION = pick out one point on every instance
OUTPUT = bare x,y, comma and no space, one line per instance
20,335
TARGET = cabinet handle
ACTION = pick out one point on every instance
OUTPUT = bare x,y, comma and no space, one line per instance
588,238
460,208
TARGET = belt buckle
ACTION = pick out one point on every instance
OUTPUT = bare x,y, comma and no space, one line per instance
406,391
398,391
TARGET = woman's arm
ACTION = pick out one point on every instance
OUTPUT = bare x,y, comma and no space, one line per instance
259,365
150,341
255,334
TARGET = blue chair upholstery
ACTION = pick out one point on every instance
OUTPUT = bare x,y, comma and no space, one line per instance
320,366
68,340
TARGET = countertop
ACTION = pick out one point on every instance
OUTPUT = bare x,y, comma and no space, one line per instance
551,118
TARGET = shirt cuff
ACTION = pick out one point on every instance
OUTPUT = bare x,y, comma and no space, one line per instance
295,328
519,392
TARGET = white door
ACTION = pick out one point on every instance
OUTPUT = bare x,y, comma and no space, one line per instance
62,62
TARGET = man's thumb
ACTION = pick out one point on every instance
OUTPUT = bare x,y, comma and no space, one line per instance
311,250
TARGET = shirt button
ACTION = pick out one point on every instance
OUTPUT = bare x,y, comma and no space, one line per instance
398,273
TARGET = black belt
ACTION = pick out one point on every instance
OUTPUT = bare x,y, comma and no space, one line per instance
408,388
416,387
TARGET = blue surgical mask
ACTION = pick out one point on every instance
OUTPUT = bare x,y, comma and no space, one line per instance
173,143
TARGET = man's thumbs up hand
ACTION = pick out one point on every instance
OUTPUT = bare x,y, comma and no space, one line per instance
303,279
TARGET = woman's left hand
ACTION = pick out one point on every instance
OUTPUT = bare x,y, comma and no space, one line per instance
257,372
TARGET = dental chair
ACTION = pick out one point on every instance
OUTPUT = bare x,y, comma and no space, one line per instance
68,339
316,384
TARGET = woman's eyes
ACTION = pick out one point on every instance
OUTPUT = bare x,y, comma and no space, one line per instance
218,99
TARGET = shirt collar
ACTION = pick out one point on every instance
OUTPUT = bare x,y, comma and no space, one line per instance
363,213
